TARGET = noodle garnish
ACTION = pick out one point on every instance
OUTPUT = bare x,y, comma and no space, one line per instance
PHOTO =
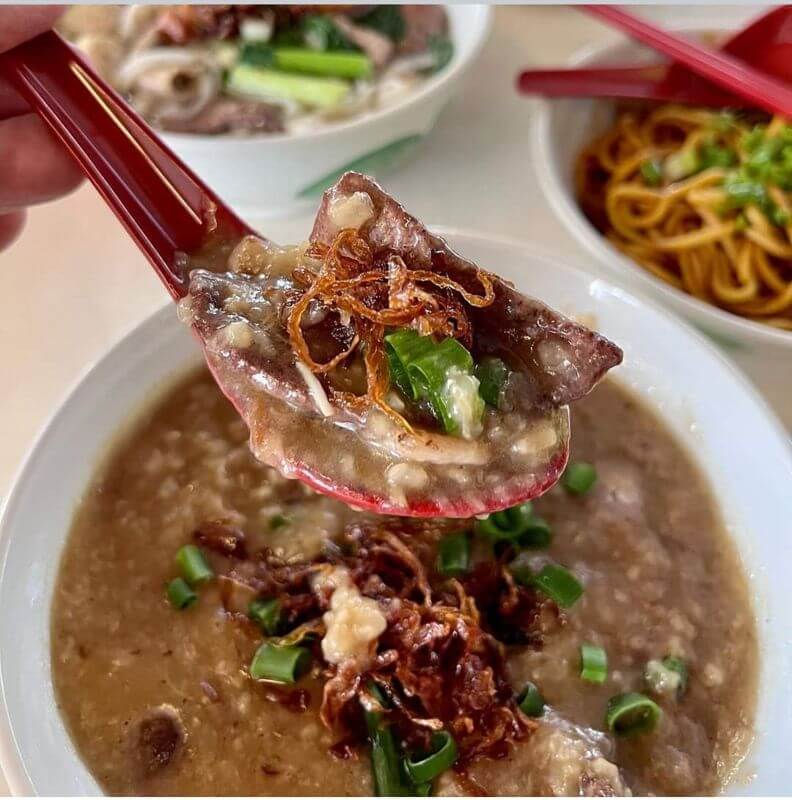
702,200
374,296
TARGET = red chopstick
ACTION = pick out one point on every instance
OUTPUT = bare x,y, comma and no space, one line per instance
733,75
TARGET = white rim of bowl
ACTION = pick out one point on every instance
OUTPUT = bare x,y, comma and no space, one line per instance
11,764
575,221
458,66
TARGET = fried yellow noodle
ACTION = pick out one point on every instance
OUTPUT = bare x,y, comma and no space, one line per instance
717,228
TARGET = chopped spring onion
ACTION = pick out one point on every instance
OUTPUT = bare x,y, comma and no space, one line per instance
666,677
386,764
531,701
278,521
404,346
558,583
426,768
518,525
281,663
193,565
631,714
652,172
680,667
453,554
681,164
269,84
180,594
714,156
491,373
439,372
579,477
593,663
267,613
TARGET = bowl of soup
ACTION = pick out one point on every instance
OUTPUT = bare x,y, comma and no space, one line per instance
648,652
270,105
730,277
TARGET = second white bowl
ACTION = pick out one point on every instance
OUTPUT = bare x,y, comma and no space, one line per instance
271,175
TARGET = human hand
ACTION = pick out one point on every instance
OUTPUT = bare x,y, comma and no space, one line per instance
34,167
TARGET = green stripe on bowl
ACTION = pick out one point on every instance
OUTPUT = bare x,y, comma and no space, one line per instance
380,160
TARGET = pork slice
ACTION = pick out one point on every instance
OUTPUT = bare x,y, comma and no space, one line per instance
561,360
229,115
421,24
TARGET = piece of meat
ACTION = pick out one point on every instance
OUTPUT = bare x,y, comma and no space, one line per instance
157,739
422,24
562,360
229,115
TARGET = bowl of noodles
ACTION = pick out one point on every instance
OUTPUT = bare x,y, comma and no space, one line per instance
691,204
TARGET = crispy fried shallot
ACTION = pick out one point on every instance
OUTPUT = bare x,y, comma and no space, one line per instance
440,662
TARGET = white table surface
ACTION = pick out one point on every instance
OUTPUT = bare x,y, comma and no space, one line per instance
73,283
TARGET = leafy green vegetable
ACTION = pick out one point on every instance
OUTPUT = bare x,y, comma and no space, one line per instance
387,20
319,32
442,49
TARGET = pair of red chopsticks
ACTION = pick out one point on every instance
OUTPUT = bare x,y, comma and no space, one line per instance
753,68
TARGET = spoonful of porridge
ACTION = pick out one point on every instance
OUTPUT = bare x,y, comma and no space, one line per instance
371,362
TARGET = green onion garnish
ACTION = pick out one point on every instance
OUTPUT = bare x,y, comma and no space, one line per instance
681,164
678,665
404,346
579,477
631,714
492,374
453,554
667,677
278,521
713,155
652,172
517,525
593,663
180,594
284,664
531,701
267,613
420,368
425,768
386,763
193,565
559,584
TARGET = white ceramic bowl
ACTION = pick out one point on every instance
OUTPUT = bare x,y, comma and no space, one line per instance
676,371
277,175
560,130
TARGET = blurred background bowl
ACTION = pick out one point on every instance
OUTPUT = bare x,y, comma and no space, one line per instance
560,130
274,175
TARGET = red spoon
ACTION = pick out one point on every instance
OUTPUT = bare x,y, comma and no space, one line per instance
171,214
720,68
765,44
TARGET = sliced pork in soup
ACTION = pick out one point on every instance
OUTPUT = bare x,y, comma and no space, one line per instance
378,365
218,629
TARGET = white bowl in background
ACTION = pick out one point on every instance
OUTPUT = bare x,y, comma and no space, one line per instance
561,128
682,377
275,175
